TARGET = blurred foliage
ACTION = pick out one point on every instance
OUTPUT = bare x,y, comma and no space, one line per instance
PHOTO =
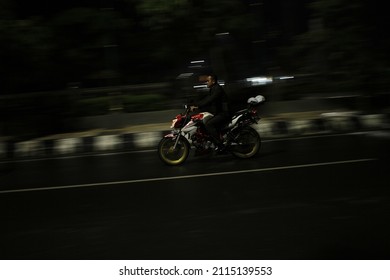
344,49
50,46
143,102
109,42
92,106
36,114
40,114
128,103
47,46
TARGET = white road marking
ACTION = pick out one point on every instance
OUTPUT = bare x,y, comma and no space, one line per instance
188,176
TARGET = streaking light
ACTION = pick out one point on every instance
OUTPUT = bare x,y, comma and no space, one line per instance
197,61
286,77
184,75
257,81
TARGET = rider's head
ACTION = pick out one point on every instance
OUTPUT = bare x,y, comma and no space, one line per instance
211,80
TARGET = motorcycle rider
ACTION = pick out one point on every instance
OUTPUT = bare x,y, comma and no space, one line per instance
217,103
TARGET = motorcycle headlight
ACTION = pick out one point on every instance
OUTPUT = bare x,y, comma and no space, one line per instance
173,123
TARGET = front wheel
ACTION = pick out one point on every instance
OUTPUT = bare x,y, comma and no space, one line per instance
246,144
170,154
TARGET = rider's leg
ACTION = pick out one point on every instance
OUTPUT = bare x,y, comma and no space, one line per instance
213,125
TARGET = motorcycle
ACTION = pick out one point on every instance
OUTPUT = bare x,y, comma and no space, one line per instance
239,138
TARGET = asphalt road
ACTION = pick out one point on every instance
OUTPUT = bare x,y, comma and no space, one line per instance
323,197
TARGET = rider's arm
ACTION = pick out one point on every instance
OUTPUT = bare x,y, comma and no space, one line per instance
216,92
193,108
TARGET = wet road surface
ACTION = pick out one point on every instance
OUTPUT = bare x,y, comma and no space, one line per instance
324,197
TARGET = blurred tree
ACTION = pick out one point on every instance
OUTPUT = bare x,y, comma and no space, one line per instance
47,45
6,9
24,48
86,42
177,31
339,47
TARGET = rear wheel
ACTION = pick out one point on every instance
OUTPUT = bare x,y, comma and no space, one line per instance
246,144
172,155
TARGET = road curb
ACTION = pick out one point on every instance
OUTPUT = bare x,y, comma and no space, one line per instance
269,128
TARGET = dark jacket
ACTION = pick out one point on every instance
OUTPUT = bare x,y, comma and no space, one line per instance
216,102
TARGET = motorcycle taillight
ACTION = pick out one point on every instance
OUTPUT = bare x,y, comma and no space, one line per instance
254,114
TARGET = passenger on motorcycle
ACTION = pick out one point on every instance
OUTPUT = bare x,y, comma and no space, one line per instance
217,103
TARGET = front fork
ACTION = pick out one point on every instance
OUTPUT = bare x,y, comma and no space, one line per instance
175,135
177,140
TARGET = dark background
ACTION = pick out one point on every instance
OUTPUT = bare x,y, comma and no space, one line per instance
47,45
63,60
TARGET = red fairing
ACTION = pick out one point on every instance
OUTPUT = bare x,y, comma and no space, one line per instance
179,117
177,122
197,117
